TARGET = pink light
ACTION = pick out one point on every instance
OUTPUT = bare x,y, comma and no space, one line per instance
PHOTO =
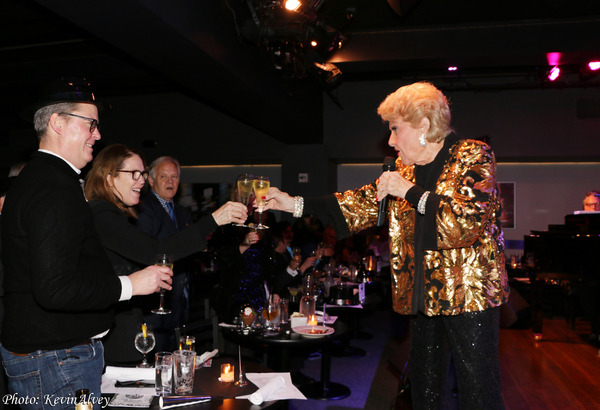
452,68
553,58
554,73
594,65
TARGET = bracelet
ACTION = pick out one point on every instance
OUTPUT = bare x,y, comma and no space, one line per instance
298,206
422,202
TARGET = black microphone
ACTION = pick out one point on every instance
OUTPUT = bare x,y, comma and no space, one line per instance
389,164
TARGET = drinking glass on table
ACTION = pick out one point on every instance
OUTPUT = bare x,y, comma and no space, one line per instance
261,187
162,259
163,364
144,342
245,186
270,312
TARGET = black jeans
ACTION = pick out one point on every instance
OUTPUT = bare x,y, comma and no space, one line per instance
470,341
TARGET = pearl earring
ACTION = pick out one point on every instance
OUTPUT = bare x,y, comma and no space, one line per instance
422,141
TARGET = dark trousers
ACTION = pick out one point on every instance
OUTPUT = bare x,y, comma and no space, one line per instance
470,342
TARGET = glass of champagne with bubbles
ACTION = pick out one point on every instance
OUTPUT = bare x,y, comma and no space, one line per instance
245,185
261,187
162,259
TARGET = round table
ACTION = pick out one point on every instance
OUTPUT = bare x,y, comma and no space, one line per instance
278,349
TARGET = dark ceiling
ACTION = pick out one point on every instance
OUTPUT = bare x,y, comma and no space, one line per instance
224,52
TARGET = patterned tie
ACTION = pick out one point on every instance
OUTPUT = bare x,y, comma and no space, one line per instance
172,212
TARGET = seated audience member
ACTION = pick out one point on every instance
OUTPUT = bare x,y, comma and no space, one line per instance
113,188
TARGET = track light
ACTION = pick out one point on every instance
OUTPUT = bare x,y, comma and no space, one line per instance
554,73
594,65
292,5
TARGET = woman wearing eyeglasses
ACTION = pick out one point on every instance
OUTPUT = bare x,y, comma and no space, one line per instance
113,187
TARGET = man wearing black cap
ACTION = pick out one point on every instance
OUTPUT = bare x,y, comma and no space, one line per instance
59,283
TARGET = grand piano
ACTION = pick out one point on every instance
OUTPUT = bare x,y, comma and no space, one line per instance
562,254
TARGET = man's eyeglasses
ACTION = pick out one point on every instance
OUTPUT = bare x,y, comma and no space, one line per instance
94,125
135,174
594,204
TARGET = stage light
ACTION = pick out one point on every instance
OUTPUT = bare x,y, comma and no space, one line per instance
452,68
292,5
314,43
554,73
594,65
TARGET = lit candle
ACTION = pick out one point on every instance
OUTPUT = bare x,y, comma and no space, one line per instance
227,372
312,320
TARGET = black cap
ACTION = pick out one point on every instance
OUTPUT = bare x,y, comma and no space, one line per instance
65,89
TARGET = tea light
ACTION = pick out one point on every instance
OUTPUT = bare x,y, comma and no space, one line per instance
312,320
227,372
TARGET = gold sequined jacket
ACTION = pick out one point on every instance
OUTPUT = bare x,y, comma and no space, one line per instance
466,273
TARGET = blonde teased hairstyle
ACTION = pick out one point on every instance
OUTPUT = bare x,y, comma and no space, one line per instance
416,101
106,163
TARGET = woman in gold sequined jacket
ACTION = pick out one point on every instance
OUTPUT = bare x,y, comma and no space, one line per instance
446,246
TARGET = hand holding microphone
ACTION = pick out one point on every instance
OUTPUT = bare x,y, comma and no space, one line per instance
389,164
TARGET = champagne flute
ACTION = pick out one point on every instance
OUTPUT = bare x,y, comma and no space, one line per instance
261,187
162,259
244,187
144,342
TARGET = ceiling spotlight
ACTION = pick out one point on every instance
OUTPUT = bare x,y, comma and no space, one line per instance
452,68
594,65
553,73
292,5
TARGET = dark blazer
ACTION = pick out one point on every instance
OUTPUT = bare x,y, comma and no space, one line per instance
130,249
59,283
155,221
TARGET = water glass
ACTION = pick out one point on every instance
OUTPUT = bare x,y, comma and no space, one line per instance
184,368
163,364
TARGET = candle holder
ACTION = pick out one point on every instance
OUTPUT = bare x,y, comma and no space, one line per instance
227,373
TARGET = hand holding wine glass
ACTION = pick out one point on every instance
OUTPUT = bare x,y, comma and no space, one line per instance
261,186
162,259
244,191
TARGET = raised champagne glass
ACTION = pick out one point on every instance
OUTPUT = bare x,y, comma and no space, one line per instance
162,259
245,185
261,187
144,342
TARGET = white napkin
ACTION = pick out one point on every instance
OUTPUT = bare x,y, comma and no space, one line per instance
284,391
267,390
205,356
130,373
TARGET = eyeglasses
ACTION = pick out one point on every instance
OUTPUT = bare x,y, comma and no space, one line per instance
94,124
594,204
135,174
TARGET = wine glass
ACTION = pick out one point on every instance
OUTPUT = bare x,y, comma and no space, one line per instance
144,342
270,312
162,259
261,187
244,191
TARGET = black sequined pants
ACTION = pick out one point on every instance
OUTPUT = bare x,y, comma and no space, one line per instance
470,341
